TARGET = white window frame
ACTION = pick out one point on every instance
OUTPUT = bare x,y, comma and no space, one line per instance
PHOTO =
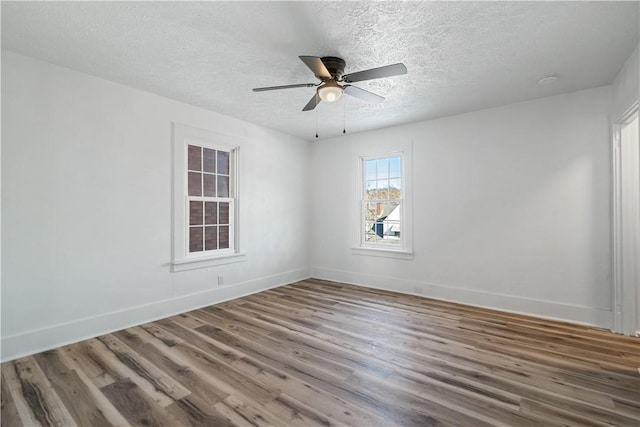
182,259
405,249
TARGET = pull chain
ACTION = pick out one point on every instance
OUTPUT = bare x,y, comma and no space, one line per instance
316,114
344,116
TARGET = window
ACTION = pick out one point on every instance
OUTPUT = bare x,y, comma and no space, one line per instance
382,201
205,222
384,219
210,199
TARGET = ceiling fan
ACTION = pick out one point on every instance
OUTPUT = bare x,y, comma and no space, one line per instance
329,70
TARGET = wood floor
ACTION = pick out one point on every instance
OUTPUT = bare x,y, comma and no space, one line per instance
321,354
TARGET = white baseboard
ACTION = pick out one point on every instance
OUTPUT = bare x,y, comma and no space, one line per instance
539,308
35,341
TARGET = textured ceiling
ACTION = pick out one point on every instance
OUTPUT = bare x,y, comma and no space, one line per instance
461,56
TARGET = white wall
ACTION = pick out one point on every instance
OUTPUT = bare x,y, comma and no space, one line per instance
86,205
511,208
626,86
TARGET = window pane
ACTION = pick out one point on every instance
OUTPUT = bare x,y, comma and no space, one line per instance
210,213
372,190
223,216
370,169
194,157
394,189
368,227
395,169
389,210
195,239
378,230
223,186
211,238
209,160
224,237
195,213
383,168
370,234
383,189
371,211
209,182
223,162
392,223
195,184
392,231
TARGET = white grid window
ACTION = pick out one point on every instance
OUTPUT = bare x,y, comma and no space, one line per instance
381,218
205,199
210,201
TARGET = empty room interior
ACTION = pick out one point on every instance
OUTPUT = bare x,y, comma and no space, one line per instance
320,213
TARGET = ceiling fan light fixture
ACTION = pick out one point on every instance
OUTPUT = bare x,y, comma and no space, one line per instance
330,71
330,91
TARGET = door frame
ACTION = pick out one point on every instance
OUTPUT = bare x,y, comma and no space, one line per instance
624,315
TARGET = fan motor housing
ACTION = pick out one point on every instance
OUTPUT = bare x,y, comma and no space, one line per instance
335,66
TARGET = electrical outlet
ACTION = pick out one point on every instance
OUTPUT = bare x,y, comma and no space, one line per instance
220,280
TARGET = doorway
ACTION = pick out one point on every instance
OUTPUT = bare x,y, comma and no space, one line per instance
626,224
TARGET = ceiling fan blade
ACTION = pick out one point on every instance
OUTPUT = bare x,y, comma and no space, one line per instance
262,89
365,95
317,66
376,73
313,102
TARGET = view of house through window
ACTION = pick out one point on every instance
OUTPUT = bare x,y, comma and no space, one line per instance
382,201
210,199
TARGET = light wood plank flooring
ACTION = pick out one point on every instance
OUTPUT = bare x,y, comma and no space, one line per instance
321,354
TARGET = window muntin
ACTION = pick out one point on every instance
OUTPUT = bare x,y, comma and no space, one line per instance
382,202
209,201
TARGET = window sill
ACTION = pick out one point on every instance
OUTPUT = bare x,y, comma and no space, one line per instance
194,263
382,252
